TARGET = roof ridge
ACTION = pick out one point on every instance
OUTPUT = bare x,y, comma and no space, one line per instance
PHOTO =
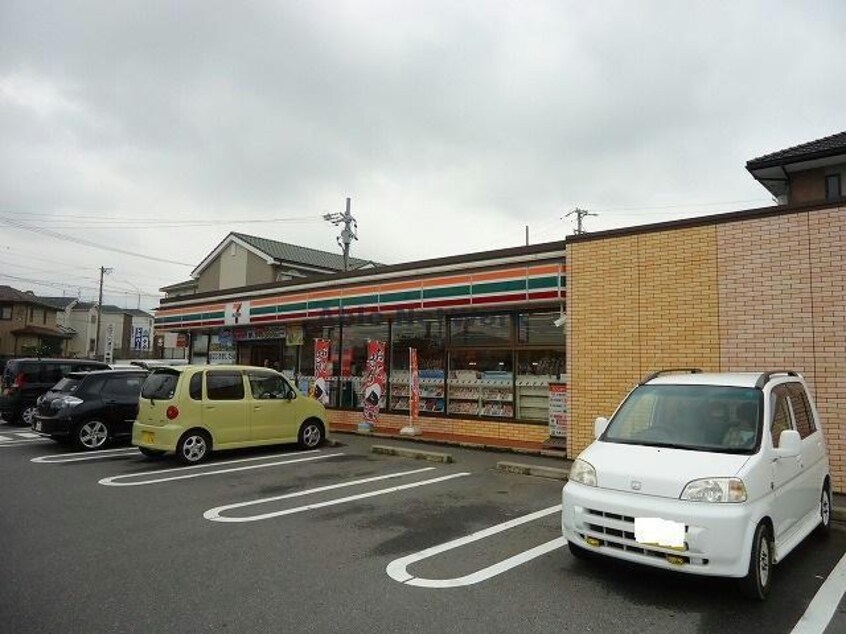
296,246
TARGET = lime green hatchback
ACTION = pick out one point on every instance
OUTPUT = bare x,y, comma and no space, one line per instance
190,410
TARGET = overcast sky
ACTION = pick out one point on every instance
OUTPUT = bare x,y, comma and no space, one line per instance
156,128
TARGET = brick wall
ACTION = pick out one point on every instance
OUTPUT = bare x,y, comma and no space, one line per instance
494,433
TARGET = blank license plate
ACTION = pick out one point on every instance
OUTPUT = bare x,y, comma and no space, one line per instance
148,436
660,532
38,426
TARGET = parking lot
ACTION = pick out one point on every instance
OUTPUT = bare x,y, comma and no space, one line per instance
334,540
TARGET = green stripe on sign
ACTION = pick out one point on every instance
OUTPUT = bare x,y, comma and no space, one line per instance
543,282
401,296
205,316
263,310
324,303
449,291
169,320
361,300
290,308
499,287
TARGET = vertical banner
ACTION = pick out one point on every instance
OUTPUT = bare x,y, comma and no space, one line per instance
413,387
558,410
374,380
322,369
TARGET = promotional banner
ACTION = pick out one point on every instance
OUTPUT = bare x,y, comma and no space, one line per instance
140,338
374,380
322,369
413,386
558,410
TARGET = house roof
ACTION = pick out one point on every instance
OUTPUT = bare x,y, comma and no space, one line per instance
137,312
13,295
173,287
296,254
43,331
825,147
59,302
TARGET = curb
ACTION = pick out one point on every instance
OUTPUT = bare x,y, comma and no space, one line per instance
532,470
431,456
838,514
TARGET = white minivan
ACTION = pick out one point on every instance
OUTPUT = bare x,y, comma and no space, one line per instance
711,474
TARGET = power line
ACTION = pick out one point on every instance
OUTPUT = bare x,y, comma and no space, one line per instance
59,236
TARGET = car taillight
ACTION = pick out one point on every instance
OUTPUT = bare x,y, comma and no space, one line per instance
20,380
172,412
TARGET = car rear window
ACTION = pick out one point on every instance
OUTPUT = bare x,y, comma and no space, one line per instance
161,384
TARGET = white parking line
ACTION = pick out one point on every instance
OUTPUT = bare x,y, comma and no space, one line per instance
5,438
112,481
78,456
825,602
28,434
215,513
397,569
24,441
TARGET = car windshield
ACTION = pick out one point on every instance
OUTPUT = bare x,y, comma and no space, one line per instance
66,385
696,417
161,384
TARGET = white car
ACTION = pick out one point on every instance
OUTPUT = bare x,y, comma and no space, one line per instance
710,474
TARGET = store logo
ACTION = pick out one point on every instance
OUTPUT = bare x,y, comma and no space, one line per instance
237,314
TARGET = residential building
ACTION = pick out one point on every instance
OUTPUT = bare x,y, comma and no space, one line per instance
29,325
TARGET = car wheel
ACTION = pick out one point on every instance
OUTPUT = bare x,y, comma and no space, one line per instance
151,453
311,434
91,435
825,511
578,552
28,415
757,582
193,447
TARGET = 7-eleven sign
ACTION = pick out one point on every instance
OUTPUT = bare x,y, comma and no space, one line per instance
237,313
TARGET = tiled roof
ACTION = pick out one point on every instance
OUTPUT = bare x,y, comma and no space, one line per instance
821,148
303,255
13,295
58,302
186,283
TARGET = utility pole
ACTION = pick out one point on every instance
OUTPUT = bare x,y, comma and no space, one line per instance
580,214
527,235
103,271
348,233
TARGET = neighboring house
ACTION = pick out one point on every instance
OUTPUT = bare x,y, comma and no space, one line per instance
813,172
132,329
243,260
29,325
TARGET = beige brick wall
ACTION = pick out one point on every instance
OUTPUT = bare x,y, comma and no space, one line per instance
636,304
759,293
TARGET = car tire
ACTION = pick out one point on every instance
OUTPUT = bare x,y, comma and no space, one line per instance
824,527
193,447
91,435
151,453
578,552
757,582
27,415
311,434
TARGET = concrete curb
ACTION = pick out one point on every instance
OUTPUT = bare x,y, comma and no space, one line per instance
431,456
532,470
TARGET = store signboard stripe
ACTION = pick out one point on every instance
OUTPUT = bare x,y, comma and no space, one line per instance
324,303
543,282
262,310
403,296
360,300
264,318
401,306
498,287
287,308
499,299
538,295
448,291
444,303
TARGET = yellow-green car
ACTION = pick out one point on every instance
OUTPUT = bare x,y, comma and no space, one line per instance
190,410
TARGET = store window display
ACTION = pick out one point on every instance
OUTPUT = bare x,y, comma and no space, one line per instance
428,337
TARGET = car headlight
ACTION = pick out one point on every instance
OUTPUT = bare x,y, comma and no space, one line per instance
66,401
583,473
715,490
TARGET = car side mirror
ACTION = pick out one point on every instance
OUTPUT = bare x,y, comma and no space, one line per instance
290,395
789,444
599,426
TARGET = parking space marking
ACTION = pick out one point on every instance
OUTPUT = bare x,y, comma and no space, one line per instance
114,481
79,456
397,569
28,434
825,602
24,441
215,514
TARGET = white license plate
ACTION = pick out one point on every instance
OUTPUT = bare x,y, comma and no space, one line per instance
38,426
659,532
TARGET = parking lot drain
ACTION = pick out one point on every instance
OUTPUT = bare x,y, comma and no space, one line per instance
431,456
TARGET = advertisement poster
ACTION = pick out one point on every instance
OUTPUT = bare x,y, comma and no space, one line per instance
322,369
557,410
294,336
374,380
413,386
140,338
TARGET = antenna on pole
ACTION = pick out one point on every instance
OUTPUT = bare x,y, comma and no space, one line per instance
348,233
580,215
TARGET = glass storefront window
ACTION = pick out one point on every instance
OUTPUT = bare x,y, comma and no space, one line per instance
354,361
199,349
536,369
312,331
481,330
539,329
481,383
427,336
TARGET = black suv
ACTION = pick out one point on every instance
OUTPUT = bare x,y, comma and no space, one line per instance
90,408
24,380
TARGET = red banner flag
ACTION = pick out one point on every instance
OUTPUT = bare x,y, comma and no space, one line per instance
374,380
414,387
322,369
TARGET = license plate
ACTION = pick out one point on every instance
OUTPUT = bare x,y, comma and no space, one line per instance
148,436
655,531
38,426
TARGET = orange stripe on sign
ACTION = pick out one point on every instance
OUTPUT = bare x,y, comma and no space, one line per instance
447,281
544,270
499,275
400,286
